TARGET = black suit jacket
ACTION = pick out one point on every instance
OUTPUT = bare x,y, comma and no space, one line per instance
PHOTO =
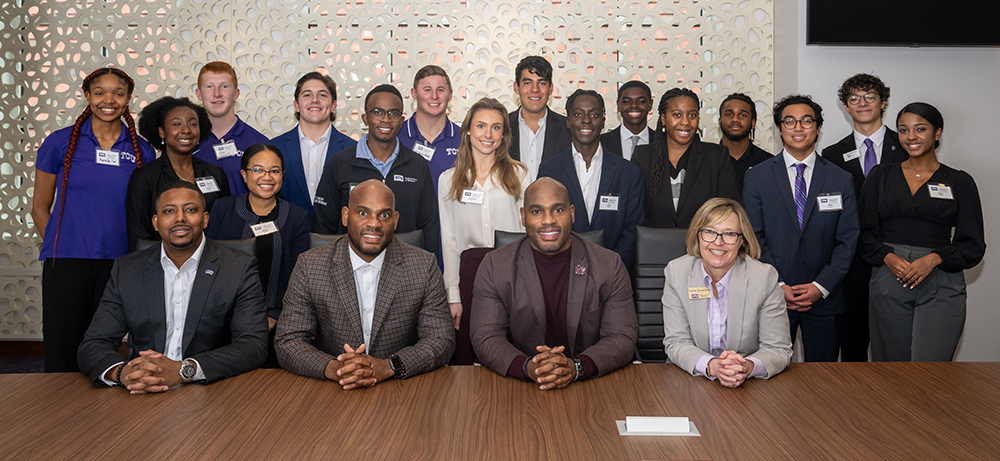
892,152
225,329
612,140
709,173
557,138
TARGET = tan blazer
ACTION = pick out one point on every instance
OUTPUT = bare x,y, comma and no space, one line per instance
508,308
757,325
321,313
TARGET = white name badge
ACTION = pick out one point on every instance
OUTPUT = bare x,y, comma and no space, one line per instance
473,196
207,184
425,151
263,228
940,191
830,202
107,157
225,150
607,202
852,155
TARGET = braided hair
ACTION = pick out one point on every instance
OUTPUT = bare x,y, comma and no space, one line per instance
659,148
75,135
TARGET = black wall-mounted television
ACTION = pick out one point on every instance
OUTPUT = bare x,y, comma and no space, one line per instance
903,22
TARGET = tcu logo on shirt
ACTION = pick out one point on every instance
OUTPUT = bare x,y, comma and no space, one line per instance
452,151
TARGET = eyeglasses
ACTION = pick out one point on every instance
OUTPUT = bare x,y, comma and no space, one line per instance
710,236
380,114
855,99
806,122
260,171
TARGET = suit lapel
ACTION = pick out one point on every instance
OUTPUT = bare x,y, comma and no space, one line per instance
389,279
609,176
892,151
855,167
204,278
575,189
552,131
577,290
515,135
532,284
780,171
736,306
153,284
694,162
699,308
614,144
343,280
294,163
818,179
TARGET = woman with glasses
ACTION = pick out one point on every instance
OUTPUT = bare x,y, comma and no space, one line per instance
281,229
723,310
481,194
681,171
921,226
176,127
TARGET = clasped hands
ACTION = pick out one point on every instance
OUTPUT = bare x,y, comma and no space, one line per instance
149,372
550,368
910,274
800,298
730,368
354,369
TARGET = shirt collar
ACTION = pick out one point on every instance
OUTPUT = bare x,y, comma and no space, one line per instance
196,257
724,282
790,161
598,156
363,152
643,135
541,121
302,136
877,137
413,132
87,130
358,263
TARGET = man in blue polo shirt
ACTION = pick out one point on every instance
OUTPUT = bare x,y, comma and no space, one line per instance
218,90
432,92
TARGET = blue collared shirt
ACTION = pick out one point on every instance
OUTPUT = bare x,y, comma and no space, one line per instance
365,153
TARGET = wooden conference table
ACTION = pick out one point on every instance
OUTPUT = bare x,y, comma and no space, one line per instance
809,412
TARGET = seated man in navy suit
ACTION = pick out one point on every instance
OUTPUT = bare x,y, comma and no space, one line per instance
308,146
193,310
606,190
802,208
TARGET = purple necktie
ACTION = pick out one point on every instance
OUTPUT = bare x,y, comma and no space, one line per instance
800,192
869,156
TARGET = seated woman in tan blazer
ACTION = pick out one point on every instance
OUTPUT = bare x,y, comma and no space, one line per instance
724,313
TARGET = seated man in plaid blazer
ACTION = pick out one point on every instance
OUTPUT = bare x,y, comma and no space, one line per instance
365,308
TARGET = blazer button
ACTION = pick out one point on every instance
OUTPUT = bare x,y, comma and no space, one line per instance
802,240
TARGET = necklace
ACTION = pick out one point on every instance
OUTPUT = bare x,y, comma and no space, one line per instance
919,175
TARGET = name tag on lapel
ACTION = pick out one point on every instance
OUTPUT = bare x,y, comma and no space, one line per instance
699,293
852,155
830,202
608,203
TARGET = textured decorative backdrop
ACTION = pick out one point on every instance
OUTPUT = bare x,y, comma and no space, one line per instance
46,48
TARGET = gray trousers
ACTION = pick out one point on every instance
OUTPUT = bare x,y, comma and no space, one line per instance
920,325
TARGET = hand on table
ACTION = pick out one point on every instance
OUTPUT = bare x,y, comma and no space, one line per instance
354,369
550,368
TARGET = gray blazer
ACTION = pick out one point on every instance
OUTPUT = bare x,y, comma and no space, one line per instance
757,324
225,329
321,314
508,314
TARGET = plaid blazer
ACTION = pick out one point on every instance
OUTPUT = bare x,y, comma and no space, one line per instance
321,312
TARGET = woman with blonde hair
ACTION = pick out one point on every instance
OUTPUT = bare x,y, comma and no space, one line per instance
481,194
723,310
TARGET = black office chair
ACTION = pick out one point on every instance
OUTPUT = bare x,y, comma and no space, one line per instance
503,238
654,248
245,245
415,238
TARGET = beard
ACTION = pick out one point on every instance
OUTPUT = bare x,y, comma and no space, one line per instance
737,137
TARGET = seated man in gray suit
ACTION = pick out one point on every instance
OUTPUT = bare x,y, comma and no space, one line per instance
194,310
552,308
381,301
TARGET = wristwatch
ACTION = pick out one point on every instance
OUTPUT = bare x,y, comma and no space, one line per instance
398,370
578,368
187,371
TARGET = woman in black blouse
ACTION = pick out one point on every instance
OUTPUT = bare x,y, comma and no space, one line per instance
908,212
682,172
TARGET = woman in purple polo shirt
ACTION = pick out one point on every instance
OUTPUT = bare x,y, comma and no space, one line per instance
87,229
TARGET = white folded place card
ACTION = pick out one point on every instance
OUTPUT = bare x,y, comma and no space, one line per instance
641,424
663,426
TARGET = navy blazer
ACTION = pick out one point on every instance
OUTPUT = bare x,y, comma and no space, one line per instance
612,140
619,177
892,152
294,187
231,220
823,249
557,138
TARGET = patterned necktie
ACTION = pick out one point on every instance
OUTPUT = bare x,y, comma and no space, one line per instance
635,143
800,192
869,156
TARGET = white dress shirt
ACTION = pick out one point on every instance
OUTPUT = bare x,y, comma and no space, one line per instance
807,174
878,137
531,143
626,136
177,284
314,158
366,277
590,178
470,225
